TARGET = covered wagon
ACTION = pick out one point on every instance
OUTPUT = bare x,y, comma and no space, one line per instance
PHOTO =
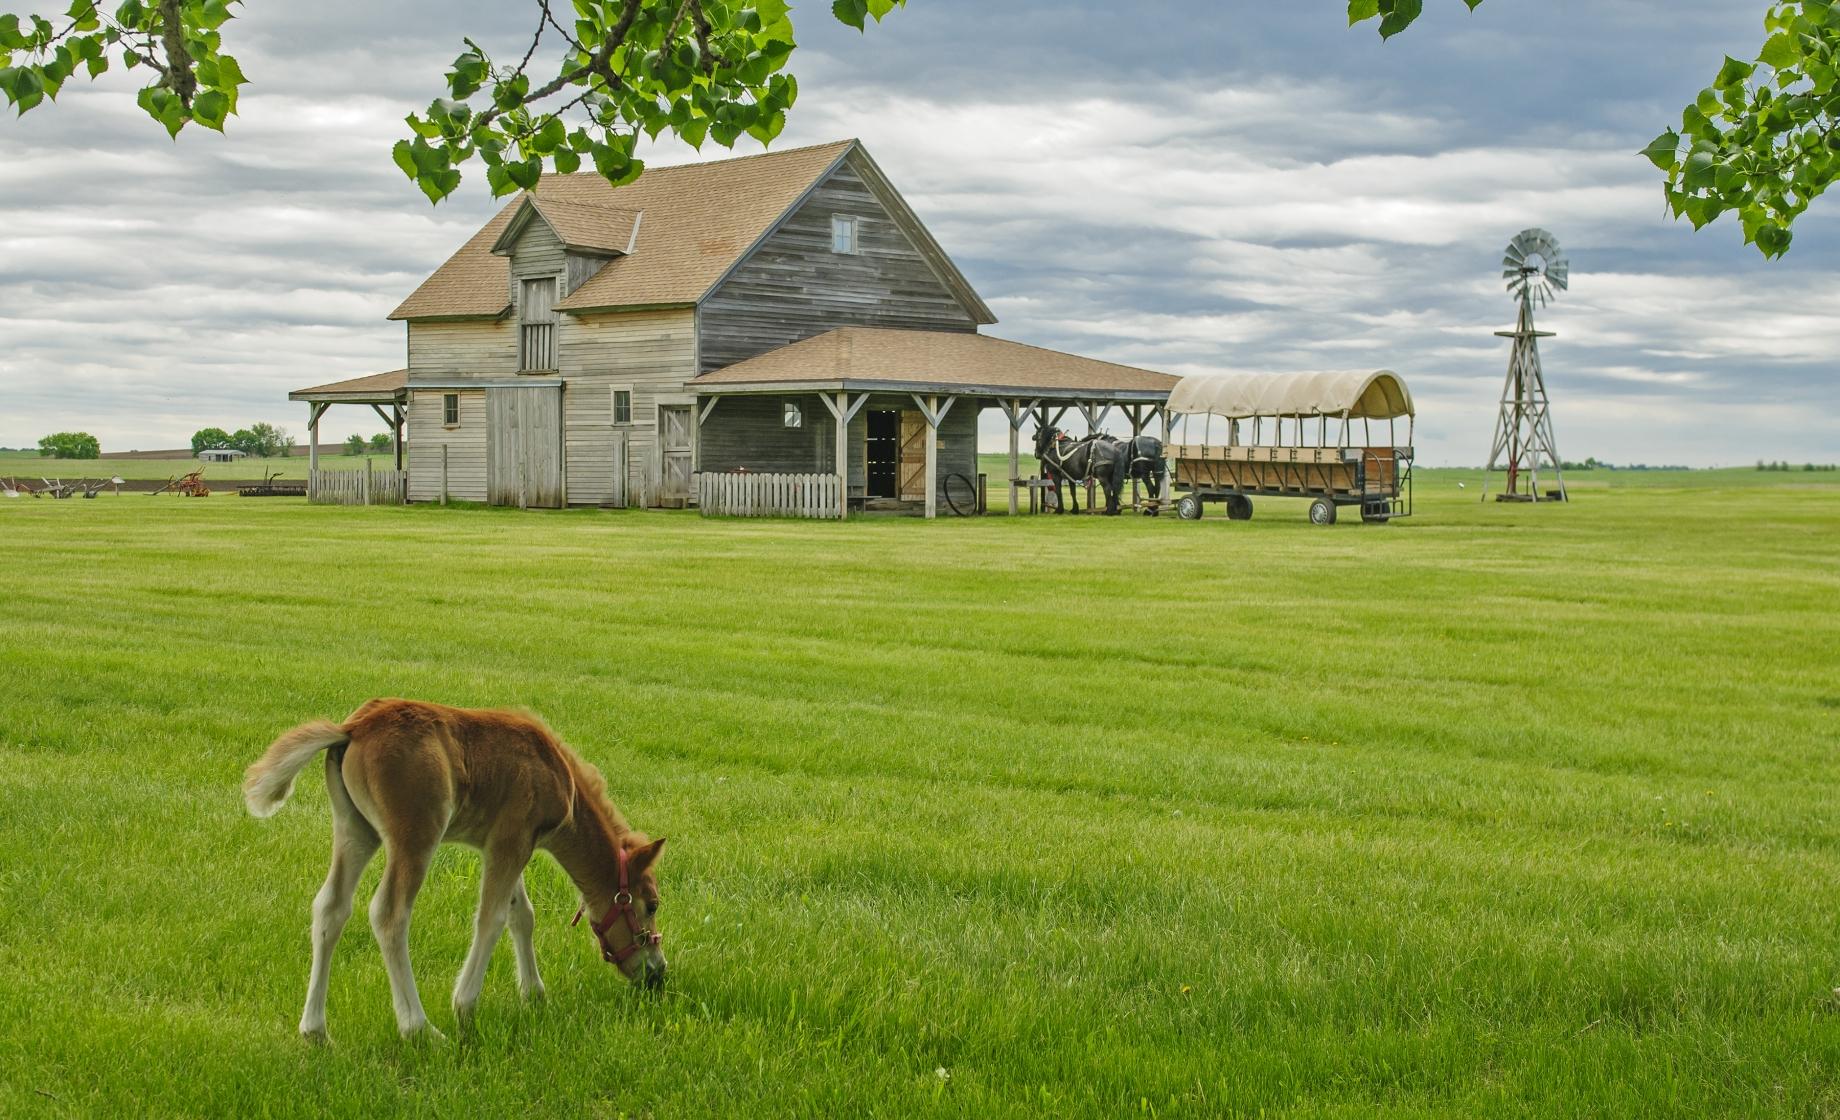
1332,438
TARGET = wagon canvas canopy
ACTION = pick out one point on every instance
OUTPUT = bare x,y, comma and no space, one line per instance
1377,395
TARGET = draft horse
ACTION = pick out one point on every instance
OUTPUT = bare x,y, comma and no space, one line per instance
409,776
1095,458
1149,465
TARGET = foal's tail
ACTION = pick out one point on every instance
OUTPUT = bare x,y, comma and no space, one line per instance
270,779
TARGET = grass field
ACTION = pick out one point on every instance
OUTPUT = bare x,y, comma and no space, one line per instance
1496,812
29,467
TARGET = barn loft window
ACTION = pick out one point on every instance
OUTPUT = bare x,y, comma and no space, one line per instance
450,409
537,325
622,406
843,233
794,417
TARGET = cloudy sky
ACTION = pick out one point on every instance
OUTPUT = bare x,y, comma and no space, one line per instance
1188,185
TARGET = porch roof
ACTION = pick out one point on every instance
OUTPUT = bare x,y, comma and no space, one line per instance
372,388
874,359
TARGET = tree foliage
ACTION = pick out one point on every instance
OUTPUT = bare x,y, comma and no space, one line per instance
263,441
70,445
1759,142
706,70
177,41
208,439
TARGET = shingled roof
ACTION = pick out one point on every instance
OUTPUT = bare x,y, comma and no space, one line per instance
875,358
693,223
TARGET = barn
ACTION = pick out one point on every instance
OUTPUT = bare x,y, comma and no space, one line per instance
784,314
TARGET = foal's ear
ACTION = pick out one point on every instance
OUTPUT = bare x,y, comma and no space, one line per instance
646,856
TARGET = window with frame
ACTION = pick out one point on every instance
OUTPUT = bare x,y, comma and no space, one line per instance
450,410
537,324
792,415
843,233
622,406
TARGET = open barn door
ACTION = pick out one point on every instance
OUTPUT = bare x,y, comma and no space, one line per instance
913,456
524,447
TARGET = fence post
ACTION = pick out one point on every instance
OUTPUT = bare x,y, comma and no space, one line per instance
367,480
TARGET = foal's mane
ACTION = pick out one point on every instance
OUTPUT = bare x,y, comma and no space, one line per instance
590,788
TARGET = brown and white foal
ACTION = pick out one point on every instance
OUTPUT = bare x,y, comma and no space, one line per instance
411,776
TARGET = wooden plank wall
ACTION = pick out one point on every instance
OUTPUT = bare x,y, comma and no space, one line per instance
465,348
465,447
651,352
794,286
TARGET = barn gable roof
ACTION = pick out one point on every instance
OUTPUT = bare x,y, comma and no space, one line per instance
685,229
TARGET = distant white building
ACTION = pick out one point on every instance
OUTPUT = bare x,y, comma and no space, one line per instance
222,455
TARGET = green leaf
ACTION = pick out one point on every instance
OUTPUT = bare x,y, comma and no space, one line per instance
851,12
1362,10
1401,17
209,108
1664,150
1734,73
1780,51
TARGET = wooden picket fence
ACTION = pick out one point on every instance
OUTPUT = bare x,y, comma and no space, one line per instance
368,487
767,495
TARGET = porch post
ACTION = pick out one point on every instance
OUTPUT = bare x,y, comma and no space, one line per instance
314,412
1164,496
932,457
1136,412
1013,410
396,428
841,413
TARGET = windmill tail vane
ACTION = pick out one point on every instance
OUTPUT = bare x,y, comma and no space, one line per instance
1535,269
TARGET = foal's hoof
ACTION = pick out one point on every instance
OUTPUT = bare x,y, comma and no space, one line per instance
316,1037
426,1034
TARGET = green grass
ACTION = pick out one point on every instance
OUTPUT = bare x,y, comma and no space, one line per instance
29,467
1499,811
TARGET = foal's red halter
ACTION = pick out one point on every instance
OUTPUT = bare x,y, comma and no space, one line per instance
642,938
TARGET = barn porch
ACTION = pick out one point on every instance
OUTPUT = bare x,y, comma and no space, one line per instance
892,415
379,391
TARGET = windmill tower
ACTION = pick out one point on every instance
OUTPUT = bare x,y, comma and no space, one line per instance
1535,268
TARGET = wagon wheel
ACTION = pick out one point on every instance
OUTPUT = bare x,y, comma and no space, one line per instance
1188,507
1239,507
967,495
1322,512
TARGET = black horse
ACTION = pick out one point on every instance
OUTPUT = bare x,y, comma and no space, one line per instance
1149,466
1096,458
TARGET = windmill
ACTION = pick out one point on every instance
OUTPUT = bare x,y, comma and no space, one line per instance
1535,269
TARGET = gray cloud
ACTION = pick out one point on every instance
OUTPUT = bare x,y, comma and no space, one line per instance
1186,186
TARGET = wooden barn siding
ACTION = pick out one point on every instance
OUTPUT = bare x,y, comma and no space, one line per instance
748,432
654,352
537,253
794,287
466,348
581,269
466,448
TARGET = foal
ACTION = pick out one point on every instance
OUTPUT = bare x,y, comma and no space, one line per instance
410,776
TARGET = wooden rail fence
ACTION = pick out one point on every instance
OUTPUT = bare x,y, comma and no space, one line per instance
368,487
767,495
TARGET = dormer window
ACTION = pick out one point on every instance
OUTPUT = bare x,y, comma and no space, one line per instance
843,233
537,324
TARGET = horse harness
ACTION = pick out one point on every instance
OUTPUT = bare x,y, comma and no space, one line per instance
623,907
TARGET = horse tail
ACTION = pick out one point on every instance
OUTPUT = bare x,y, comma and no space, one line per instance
270,779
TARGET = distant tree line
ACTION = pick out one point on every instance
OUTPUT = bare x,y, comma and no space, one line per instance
356,444
1779,465
262,441
70,445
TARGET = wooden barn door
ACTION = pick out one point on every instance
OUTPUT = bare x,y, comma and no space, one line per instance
524,447
913,456
675,447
